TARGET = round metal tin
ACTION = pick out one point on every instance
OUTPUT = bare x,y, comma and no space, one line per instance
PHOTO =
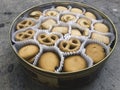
64,79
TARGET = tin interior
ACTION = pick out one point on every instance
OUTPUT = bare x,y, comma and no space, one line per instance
74,4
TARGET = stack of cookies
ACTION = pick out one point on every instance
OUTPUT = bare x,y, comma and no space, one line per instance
62,38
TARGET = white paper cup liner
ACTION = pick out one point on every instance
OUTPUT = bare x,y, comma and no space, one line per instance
89,41
88,60
104,21
48,33
76,26
68,8
17,46
18,21
61,25
83,10
109,35
68,13
69,53
14,35
50,49
82,16
27,14
51,9
42,19
98,17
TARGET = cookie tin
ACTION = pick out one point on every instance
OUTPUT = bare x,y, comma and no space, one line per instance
64,79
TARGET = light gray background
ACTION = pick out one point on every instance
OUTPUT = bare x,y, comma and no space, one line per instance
12,76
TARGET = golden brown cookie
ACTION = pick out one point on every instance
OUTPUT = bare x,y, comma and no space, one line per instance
71,45
61,8
90,15
74,63
95,51
25,35
29,51
101,27
67,18
60,29
35,14
31,60
101,38
48,40
76,10
85,32
49,61
48,23
25,24
84,22
51,13
76,32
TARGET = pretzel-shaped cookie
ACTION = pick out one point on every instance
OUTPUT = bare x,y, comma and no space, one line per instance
68,17
70,46
25,35
24,24
48,39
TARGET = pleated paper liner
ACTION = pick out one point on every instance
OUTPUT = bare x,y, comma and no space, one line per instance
18,46
54,50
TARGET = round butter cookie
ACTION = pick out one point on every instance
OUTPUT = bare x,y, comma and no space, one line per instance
49,61
74,63
95,52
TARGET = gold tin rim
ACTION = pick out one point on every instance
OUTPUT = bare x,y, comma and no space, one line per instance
63,2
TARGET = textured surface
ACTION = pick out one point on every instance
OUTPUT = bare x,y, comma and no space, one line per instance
12,76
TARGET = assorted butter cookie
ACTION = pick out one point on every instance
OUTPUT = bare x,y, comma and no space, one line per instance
74,63
60,29
28,52
25,35
35,14
68,17
47,23
86,32
90,15
102,38
78,32
95,51
100,27
51,13
48,40
71,45
84,22
24,24
49,61
61,8
76,10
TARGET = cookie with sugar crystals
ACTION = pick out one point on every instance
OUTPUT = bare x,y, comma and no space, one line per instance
60,29
102,38
47,23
